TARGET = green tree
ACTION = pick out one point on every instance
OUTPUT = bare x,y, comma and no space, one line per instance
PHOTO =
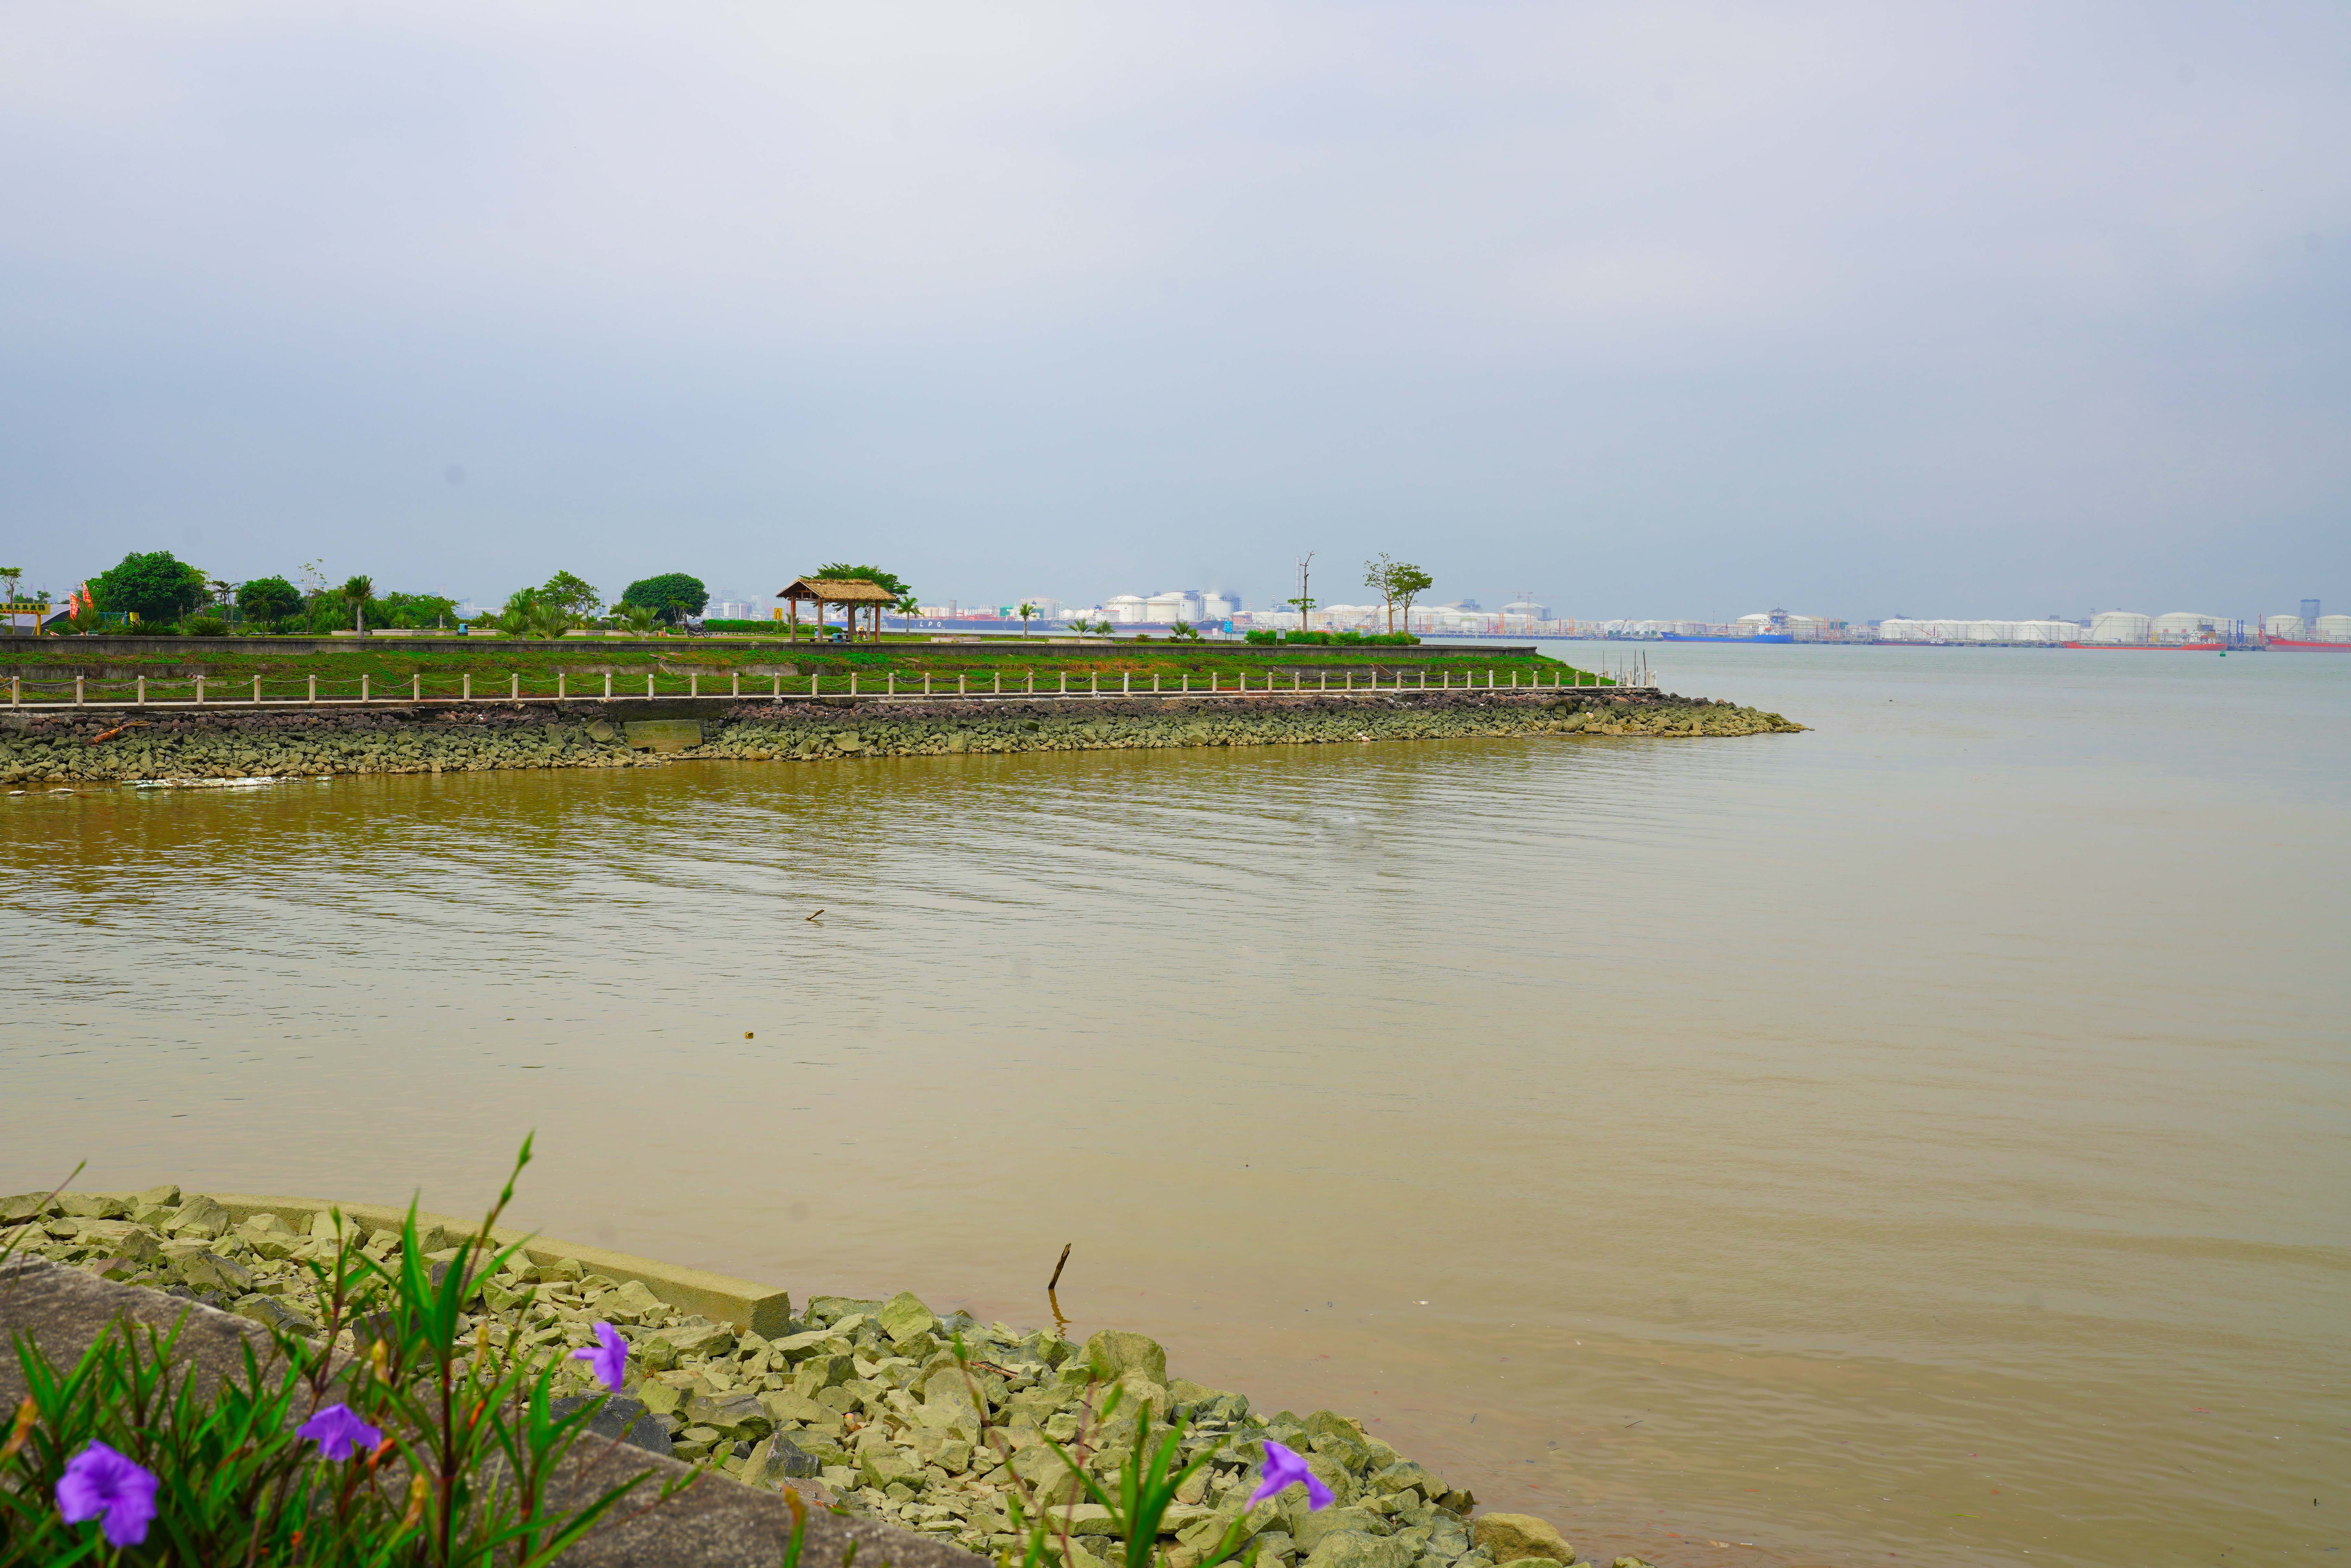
1025,612
156,586
873,574
414,609
638,617
1399,583
669,596
266,600
570,594
359,593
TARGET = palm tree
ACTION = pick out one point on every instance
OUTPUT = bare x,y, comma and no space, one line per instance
907,606
1025,612
359,594
639,617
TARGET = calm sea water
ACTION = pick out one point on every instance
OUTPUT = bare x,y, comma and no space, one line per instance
1927,1138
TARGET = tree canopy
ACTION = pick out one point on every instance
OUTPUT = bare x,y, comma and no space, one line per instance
873,574
669,596
573,596
268,598
1399,583
156,586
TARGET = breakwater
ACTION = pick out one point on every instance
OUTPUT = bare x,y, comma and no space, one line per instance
868,1398
160,743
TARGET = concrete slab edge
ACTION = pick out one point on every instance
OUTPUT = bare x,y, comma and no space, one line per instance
721,1297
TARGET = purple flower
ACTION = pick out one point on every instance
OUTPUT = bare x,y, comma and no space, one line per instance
339,1433
1283,1466
97,1480
609,1358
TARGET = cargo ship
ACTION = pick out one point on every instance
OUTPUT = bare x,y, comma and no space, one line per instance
2286,645
2163,647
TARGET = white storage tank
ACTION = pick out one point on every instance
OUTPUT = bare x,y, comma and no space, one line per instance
2290,627
2049,632
1901,629
2119,626
2181,626
2333,629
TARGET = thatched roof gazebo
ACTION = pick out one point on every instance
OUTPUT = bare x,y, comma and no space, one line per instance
852,593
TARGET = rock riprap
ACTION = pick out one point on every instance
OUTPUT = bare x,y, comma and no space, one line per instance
864,1395
47,748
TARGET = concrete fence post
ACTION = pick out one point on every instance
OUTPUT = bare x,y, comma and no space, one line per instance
15,692
737,677
77,680
561,685
142,691
608,686
467,689
514,686
693,684
363,689
256,691
200,690
416,688
891,689
314,691
997,685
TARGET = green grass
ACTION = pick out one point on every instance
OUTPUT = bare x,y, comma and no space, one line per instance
495,668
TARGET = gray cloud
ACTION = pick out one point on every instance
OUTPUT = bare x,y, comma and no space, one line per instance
1659,309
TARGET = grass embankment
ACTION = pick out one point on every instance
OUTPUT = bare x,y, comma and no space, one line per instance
47,667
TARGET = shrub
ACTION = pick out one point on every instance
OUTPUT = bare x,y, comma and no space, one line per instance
203,626
1262,638
428,1446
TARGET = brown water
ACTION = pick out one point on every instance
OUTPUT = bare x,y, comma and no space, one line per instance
1928,1137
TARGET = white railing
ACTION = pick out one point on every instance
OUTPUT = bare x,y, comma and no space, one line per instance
1373,684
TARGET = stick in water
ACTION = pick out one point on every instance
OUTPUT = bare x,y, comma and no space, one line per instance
1064,1263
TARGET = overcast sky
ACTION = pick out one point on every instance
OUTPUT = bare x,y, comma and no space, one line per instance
1654,309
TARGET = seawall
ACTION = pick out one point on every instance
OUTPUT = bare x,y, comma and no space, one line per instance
179,743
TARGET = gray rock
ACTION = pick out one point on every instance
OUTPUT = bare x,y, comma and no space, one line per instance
1352,1549
1113,1353
904,1316
271,1312
630,1420
199,1219
737,1415
1311,1527
92,1205
208,1270
1511,1536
